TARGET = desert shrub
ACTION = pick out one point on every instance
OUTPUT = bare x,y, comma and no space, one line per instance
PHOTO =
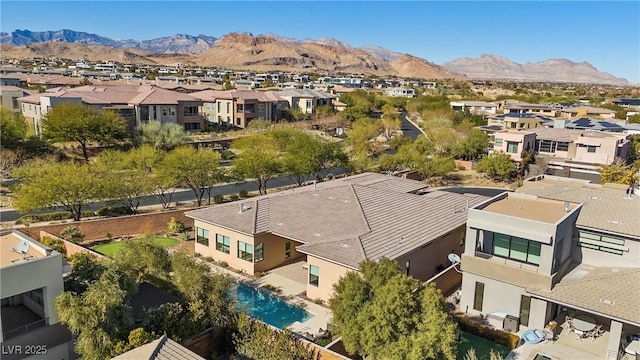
243,193
233,197
52,216
111,211
272,288
55,244
223,264
227,155
72,233
218,199
175,226
484,331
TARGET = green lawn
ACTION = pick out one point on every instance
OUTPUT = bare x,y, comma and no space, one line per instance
111,249
482,346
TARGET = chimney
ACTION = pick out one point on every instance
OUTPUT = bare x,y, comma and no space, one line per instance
566,206
241,208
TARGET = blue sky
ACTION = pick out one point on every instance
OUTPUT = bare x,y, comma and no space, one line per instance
606,34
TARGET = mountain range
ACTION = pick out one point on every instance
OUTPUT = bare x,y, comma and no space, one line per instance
270,52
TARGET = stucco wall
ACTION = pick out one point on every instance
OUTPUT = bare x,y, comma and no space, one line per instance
330,273
232,257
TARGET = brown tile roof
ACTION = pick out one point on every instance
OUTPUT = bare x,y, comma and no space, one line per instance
604,207
350,219
613,292
213,95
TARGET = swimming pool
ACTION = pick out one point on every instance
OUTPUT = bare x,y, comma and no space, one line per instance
266,307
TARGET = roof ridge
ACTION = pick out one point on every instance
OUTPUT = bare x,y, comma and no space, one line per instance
254,226
364,217
163,340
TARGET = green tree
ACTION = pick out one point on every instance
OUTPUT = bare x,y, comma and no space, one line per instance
206,292
390,121
258,159
69,121
144,260
9,160
13,129
634,119
68,185
473,145
100,316
618,174
382,313
199,169
362,143
165,137
86,269
137,337
497,166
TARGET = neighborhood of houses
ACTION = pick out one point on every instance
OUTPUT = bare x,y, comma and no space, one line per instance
561,253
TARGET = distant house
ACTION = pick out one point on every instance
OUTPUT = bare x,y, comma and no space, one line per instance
306,101
627,102
517,121
400,92
519,107
475,107
333,226
9,96
585,111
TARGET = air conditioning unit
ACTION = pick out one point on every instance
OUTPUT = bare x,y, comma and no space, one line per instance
511,324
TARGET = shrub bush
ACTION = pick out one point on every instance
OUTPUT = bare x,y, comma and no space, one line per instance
112,211
243,193
272,288
175,226
498,336
218,199
72,233
233,197
227,155
55,244
223,264
52,216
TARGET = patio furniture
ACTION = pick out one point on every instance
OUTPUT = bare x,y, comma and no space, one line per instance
549,335
597,332
533,336
633,348
584,323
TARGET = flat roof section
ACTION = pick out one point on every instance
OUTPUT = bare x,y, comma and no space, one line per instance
544,210
8,257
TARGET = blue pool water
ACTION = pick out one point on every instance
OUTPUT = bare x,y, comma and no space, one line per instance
266,307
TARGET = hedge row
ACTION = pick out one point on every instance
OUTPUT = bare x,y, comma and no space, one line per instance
52,216
114,211
484,331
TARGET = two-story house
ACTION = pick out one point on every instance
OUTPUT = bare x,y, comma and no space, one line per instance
475,107
560,248
307,101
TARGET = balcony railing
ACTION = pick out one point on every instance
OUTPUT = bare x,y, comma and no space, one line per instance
505,261
23,329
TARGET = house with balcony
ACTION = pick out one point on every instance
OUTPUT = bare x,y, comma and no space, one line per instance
137,104
238,108
558,247
585,111
330,227
513,143
515,121
30,280
305,100
520,107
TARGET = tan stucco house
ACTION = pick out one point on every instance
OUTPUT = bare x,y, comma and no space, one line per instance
335,225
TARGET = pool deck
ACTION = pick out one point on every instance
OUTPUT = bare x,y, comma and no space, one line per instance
288,278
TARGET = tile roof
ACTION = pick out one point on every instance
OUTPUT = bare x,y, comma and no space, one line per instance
604,207
305,93
160,349
367,216
213,95
609,291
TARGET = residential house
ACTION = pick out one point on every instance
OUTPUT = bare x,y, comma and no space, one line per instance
30,281
515,121
475,107
557,248
238,108
159,349
136,104
585,111
306,101
513,143
519,107
9,96
400,92
585,123
333,226
627,102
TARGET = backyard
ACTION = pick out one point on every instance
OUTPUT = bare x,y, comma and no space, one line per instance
482,346
111,249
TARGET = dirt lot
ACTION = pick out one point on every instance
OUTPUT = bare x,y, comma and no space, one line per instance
471,178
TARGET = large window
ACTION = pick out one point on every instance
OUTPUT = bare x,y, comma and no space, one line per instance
314,275
562,146
190,110
595,241
525,306
223,243
202,236
245,251
544,146
478,296
512,147
516,248
259,252
591,149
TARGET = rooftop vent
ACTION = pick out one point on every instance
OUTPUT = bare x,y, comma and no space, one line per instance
615,222
606,301
594,197
566,206
317,234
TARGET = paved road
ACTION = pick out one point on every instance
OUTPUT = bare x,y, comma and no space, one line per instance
408,129
181,195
